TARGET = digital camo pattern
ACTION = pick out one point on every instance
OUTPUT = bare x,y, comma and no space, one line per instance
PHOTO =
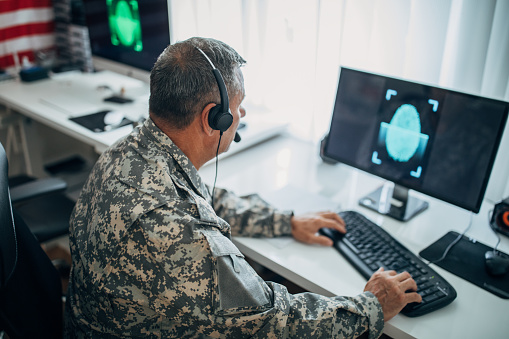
152,259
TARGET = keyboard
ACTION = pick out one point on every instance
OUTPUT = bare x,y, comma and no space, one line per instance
368,247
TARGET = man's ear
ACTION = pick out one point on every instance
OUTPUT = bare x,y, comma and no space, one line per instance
205,119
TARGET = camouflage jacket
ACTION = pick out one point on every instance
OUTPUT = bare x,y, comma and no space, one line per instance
152,259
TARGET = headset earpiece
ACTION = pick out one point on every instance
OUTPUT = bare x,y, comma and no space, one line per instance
219,119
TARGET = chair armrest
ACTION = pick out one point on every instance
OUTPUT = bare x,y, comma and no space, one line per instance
37,188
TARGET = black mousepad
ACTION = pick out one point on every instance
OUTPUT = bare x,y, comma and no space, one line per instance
466,260
95,121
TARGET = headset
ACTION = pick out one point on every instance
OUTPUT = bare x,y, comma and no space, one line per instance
220,117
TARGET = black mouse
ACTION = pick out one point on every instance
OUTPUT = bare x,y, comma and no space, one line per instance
496,264
331,233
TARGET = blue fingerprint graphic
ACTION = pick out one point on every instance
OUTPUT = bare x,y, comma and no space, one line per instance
403,133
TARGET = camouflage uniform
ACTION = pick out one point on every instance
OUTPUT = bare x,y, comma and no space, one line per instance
152,259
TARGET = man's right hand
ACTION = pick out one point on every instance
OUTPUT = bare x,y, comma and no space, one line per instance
393,290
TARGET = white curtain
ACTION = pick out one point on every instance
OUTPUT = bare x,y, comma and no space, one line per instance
294,49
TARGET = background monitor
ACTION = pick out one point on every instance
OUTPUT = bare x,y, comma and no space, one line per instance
436,141
127,36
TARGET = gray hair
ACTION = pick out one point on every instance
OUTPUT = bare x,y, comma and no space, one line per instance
182,82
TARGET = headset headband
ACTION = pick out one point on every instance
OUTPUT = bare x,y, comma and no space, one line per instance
223,93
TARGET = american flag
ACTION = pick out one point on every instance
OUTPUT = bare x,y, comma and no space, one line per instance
26,26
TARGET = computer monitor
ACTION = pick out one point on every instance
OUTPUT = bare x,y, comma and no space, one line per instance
436,141
127,36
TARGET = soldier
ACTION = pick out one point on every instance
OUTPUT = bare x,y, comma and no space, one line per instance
151,247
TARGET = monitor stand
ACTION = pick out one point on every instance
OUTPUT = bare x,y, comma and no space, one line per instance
393,200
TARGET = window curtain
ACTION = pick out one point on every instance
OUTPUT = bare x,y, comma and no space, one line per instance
294,49
25,26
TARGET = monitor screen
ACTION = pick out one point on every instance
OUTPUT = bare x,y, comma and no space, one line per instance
128,32
436,141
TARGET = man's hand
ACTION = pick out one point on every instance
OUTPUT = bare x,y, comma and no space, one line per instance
305,227
390,288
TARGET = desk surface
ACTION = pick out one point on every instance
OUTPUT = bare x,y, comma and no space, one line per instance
289,173
53,101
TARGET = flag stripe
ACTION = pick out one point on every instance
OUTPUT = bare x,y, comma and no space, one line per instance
23,44
8,60
27,42
13,5
18,31
26,16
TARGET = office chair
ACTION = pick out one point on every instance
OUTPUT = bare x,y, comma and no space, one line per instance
30,286
41,204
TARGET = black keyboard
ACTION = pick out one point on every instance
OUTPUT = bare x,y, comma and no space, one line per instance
368,247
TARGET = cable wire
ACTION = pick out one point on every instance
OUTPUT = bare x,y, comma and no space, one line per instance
490,215
215,177
454,242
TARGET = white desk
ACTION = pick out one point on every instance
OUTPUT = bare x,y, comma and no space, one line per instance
288,165
53,101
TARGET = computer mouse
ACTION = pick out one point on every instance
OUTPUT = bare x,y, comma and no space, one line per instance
496,264
331,233
113,118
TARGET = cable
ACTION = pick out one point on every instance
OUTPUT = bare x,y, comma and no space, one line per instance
215,177
490,215
454,242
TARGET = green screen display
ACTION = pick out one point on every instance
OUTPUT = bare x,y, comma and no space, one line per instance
124,22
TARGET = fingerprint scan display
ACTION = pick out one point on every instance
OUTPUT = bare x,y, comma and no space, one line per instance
403,134
401,139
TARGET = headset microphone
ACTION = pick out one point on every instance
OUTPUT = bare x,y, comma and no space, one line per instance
237,137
